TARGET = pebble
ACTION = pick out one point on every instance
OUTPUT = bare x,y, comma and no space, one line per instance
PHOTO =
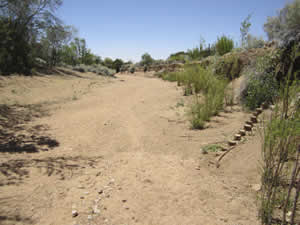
112,181
237,137
124,200
74,213
96,210
231,143
256,187
242,132
90,217
100,192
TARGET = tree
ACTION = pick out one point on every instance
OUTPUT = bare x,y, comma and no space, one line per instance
147,60
245,27
224,45
69,54
22,24
108,62
117,64
286,25
53,41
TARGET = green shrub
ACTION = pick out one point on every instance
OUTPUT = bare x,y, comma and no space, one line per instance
224,45
81,68
254,42
262,86
281,161
95,68
198,80
146,60
132,69
212,148
172,76
229,66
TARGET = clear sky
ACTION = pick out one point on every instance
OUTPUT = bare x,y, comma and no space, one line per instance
128,28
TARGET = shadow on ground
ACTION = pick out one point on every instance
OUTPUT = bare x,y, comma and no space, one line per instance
15,219
16,136
15,171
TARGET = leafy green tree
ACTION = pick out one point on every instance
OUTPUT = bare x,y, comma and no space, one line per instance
52,43
245,27
147,60
117,64
22,23
224,45
108,62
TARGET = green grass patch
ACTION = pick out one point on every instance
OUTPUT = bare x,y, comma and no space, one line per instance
212,148
209,89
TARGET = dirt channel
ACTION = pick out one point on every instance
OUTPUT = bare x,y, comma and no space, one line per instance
117,151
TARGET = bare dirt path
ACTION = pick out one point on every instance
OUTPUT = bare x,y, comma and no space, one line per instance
126,155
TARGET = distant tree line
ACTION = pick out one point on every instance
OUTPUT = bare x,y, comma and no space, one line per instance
32,36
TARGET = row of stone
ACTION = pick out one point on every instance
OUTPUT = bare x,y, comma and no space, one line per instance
248,127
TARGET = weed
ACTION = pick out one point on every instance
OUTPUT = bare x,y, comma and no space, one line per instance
198,80
180,104
281,159
212,148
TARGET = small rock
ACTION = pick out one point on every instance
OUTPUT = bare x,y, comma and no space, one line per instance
126,207
259,111
224,149
231,143
237,137
256,187
74,213
81,197
112,181
90,217
242,132
100,192
96,210
253,119
249,123
86,193
248,127
124,200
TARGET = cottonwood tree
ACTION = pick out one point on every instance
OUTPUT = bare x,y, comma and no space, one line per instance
22,25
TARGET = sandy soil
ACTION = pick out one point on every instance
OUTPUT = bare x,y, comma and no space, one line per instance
117,151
